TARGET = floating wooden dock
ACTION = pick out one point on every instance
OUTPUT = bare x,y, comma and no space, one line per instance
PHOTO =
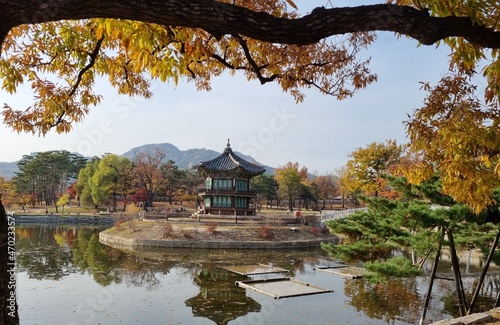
254,269
343,270
282,288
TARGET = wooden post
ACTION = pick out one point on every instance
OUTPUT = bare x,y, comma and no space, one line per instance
483,275
461,300
433,276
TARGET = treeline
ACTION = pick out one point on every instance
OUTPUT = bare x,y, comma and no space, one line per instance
56,178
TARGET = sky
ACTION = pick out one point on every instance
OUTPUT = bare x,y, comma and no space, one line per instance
260,120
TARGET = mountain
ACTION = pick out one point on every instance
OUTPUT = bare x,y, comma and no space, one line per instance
8,169
186,159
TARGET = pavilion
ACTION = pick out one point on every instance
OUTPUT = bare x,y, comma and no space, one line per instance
227,184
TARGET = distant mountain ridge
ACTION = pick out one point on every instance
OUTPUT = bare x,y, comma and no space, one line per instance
8,169
184,159
189,158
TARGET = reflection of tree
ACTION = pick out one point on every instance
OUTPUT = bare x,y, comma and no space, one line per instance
219,299
398,299
103,266
39,255
139,273
48,252
485,300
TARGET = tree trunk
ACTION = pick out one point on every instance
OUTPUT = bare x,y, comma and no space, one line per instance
8,302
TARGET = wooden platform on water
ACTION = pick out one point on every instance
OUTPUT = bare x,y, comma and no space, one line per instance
282,288
342,270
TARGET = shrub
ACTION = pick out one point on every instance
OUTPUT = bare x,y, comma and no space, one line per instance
167,230
134,225
132,209
187,233
117,223
265,232
314,230
212,227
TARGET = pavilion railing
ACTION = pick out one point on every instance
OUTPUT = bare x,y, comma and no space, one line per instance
226,191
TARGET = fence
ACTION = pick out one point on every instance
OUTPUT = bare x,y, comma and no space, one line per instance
334,215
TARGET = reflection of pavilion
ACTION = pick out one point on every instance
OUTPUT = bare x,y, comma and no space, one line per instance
219,299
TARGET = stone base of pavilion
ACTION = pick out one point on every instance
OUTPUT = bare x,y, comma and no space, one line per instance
274,219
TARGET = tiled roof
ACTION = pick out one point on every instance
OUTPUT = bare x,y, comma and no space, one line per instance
228,160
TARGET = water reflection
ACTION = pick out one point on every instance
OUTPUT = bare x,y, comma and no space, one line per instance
188,286
397,300
219,299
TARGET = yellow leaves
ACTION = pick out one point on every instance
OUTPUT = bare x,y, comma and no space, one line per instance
458,137
367,165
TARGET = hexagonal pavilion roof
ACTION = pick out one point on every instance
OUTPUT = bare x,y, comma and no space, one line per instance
229,161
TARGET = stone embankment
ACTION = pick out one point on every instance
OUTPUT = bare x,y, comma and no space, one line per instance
116,240
491,317
100,220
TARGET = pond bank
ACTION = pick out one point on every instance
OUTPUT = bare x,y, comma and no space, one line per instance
136,234
101,220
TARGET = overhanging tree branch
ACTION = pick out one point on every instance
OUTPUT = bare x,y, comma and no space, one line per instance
221,19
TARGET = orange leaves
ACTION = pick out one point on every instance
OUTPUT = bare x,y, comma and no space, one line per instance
459,137
60,61
291,3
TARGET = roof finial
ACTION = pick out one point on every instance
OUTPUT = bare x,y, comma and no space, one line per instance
228,148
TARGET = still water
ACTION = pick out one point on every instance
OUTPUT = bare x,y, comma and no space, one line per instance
65,276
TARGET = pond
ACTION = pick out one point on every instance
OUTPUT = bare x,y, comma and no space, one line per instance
65,276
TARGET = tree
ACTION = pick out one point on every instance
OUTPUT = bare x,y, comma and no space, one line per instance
409,223
265,187
110,178
46,175
289,179
198,39
455,131
343,179
308,192
7,192
190,181
84,183
172,185
368,165
327,187
63,201
150,173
